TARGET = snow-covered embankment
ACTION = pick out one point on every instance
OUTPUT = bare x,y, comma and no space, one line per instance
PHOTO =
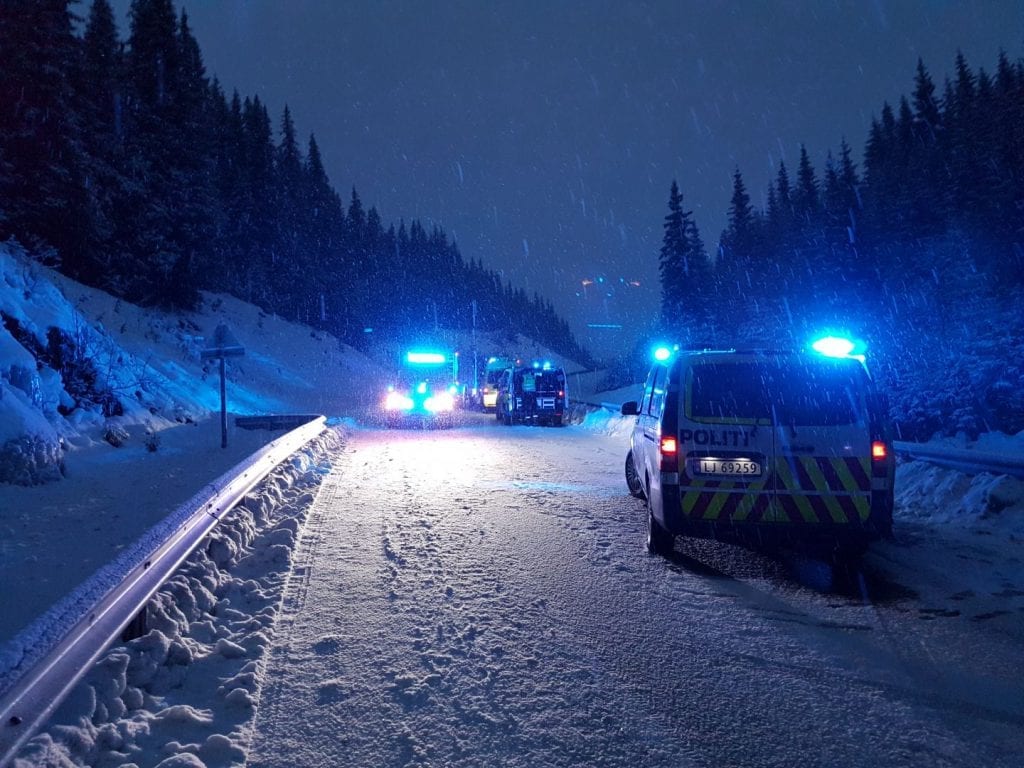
185,691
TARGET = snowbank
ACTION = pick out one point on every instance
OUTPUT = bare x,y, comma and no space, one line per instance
209,629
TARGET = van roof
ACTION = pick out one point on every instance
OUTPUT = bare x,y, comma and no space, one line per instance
762,352
804,355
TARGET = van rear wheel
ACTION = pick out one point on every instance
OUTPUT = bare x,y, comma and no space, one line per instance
633,481
659,540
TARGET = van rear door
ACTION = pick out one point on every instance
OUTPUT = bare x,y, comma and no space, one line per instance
726,441
822,440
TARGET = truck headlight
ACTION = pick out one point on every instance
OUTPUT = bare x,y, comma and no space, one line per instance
443,401
396,401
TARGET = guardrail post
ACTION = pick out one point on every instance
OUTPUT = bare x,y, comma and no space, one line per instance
138,626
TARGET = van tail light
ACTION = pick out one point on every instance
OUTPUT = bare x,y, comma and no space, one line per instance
881,455
669,454
561,393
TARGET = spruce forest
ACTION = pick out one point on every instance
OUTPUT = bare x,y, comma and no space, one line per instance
124,164
920,253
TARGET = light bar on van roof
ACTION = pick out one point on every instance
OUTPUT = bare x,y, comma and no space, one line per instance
662,352
838,346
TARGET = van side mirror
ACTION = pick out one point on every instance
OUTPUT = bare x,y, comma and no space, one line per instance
630,408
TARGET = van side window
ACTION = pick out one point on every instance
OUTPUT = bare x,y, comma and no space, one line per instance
658,386
645,398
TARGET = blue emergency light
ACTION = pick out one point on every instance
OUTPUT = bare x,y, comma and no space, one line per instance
838,346
425,358
662,353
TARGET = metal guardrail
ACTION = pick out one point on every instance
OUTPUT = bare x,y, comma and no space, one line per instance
38,692
963,460
274,421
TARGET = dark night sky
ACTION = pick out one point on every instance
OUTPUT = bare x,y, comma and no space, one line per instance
544,136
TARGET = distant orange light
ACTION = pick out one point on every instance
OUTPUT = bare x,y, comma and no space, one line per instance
669,446
879,450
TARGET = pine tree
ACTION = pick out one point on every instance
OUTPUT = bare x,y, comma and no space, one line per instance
356,216
685,272
291,275
223,270
780,216
850,182
927,117
100,96
926,178
909,161
671,259
41,181
740,268
834,200
153,53
806,203
325,222
740,240
964,152
259,216
192,189
882,170
1007,98
162,236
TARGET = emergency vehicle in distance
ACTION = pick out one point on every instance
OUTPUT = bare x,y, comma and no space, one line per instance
534,394
424,391
487,392
763,448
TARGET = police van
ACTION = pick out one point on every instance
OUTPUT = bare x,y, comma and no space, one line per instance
532,394
763,448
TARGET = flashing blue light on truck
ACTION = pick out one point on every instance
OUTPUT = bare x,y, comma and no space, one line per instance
425,358
662,353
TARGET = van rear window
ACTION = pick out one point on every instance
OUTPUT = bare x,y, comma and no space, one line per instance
728,391
542,381
800,393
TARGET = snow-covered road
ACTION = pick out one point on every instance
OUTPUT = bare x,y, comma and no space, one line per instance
481,596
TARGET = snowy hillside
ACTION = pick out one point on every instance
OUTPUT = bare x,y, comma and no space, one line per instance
77,365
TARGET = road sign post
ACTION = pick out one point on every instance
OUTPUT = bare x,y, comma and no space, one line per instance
224,345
